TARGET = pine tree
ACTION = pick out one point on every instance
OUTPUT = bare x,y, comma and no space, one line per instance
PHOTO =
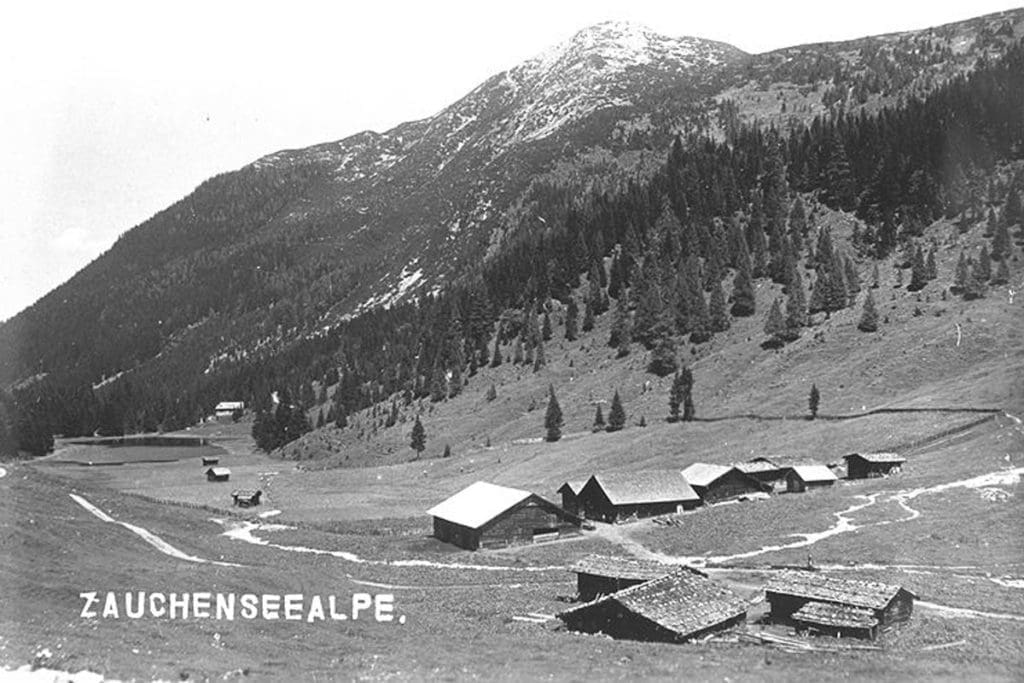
517,350
496,358
962,273
622,328
539,359
813,400
492,392
320,422
675,397
918,272
1002,275
588,317
688,409
929,265
341,422
874,276
719,315
663,358
447,451
553,417
796,308
616,415
774,325
984,265
571,314
742,295
545,333
598,420
869,315
418,438
1001,242
798,218
852,278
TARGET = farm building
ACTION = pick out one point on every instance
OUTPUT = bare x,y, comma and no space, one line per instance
715,483
228,410
218,474
837,606
866,465
570,492
801,478
598,575
484,515
674,608
210,460
617,496
246,497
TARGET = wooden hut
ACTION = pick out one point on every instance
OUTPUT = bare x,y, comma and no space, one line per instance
485,515
218,474
246,497
867,465
715,483
598,575
616,496
801,478
210,460
771,469
674,608
836,605
570,492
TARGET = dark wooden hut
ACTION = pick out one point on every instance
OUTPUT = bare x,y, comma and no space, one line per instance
801,478
867,465
771,469
570,492
484,515
616,496
246,497
674,608
598,575
218,474
210,460
835,605
715,483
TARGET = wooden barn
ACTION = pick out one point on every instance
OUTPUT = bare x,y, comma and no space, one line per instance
837,606
771,469
674,608
228,410
210,460
246,497
570,492
598,575
715,483
618,496
218,474
867,465
484,515
801,478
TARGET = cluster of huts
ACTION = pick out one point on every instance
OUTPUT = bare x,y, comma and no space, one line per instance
216,473
640,600
485,515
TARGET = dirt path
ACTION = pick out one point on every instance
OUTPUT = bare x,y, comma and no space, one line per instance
150,538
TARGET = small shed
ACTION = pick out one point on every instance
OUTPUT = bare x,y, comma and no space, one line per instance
801,478
868,465
246,497
598,575
674,608
210,460
836,605
616,496
771,469
218,474
715,483
570,492
485,515
228,410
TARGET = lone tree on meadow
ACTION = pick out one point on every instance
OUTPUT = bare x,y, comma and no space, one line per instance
598,420
813,400
553,417
869,315
418,439
681,394
616,414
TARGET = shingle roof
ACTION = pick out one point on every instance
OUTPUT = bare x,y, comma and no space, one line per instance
704,474
219,471
649,486
828,614
877,457
478,504
682,602
825,588
575,485
625,568
759,466
811,473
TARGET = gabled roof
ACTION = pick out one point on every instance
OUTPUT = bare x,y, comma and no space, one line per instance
877,457
759,466
626,568
478,504
825,588
575,486
219,471
829,614
682,602
230,405
649,486
704,474
814,473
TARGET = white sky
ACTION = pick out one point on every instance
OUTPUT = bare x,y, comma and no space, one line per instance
111,111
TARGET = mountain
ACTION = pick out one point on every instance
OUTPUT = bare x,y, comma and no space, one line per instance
262,270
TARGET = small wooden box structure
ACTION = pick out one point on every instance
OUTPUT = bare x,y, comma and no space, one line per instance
715,483
837,605
616,496
210,460
869,465
218,474
801,478
598,575
246,497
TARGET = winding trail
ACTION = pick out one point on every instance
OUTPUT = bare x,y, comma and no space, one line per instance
149,537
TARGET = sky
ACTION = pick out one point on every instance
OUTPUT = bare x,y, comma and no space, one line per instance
111,111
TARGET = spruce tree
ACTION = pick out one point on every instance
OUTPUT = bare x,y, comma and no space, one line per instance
1002,275
553,417
918,272
571,314
1001,242
616,415
621,335
663,358
418,438
962,273
598,420
812,401
796,308
869,315
929,265
496,358
798,218
742,295
447,451
588,317
675,398
874,276
545,333
717,311
688,409
539,359
852,278
984,265
492,392
517,350
774,325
